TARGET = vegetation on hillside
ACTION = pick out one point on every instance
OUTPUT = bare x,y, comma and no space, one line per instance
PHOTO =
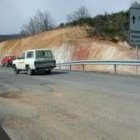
110,26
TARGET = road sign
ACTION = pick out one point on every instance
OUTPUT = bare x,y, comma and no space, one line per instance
135,38
134,19
134,23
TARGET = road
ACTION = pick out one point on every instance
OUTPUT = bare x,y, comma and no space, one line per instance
69,106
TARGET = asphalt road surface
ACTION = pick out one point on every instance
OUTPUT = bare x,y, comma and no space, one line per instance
69,106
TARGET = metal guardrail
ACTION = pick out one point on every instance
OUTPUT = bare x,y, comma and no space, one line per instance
115,63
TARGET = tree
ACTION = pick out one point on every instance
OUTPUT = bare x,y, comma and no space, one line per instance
81,13
135,4
40,22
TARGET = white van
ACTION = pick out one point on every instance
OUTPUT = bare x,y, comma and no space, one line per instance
34,61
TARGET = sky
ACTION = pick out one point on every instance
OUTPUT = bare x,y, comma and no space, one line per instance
15,13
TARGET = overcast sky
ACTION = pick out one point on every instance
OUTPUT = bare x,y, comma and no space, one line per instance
15,13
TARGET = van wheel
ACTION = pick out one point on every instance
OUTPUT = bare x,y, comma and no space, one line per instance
16,70
48,71
29,70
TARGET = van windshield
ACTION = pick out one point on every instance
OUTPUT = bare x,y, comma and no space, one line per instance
44,54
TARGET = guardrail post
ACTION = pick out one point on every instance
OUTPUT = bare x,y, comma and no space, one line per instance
115,68
59,67
83,66
70,67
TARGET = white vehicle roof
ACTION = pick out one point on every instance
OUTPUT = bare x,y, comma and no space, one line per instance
37,50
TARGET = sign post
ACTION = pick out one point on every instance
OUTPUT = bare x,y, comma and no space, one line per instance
134,36
137,69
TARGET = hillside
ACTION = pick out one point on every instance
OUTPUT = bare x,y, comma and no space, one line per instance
73,44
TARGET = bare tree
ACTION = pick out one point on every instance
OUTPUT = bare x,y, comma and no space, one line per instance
39,23
82,12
